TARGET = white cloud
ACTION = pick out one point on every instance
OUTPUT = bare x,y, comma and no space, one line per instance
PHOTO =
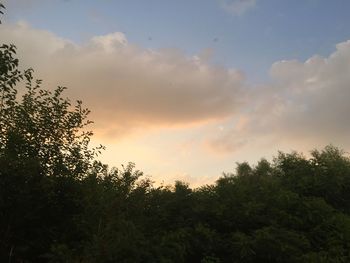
128,87
237,7
110,42
305,105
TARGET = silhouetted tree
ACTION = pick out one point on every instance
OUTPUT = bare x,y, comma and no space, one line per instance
59,204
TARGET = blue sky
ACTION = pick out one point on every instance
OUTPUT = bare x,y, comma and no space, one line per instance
187,88
271,30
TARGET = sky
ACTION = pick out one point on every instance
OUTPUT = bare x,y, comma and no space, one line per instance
185,89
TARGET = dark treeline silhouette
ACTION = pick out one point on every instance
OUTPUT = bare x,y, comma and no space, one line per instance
59,204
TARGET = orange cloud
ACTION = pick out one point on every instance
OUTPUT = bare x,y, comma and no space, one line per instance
128,87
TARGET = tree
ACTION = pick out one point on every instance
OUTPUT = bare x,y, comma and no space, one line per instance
58,204
44,156
42,124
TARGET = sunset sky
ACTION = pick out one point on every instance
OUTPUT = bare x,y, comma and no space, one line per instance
185,89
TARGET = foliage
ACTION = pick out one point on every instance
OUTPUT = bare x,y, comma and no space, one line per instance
43,124
59,204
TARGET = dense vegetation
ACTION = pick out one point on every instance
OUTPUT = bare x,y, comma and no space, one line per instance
59,204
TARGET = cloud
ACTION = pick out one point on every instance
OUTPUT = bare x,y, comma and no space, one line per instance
237,7
305,105
128,87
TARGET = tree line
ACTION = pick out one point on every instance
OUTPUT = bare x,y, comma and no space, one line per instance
58,203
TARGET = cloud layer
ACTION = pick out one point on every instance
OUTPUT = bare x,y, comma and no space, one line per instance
126,86
305,105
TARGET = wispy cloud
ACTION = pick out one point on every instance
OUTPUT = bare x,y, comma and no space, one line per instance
237,7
